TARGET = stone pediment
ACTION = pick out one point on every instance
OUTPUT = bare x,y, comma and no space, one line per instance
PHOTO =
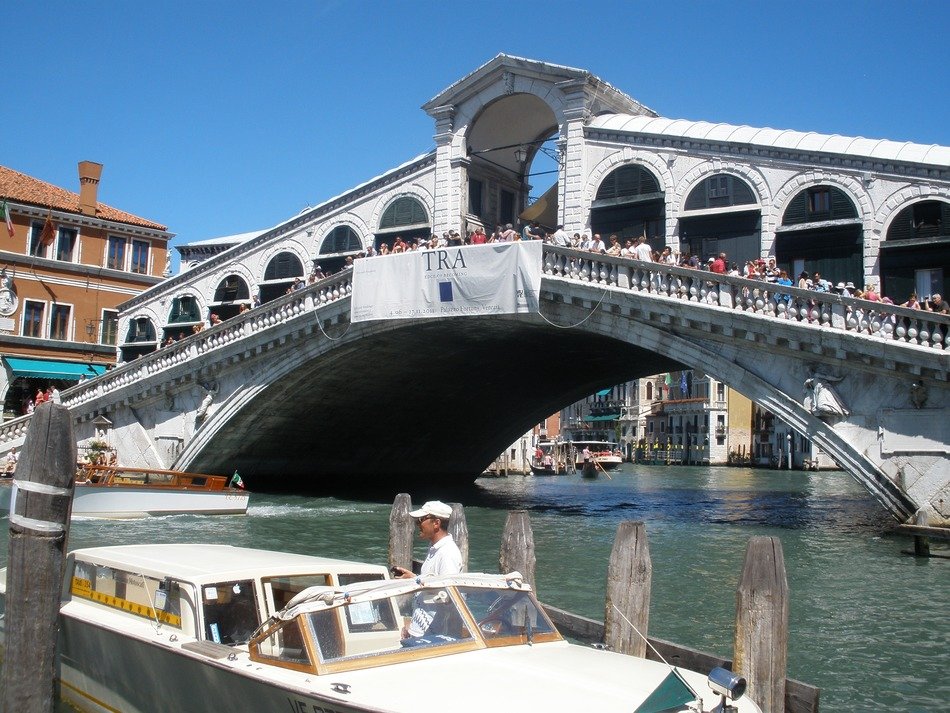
543,78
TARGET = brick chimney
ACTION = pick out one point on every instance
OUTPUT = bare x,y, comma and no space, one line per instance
89,173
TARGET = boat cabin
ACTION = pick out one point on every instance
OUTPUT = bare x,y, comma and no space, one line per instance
215,593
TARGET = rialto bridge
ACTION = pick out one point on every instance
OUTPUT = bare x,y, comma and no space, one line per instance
295,396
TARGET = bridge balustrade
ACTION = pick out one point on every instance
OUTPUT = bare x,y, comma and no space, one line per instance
283,309
822,309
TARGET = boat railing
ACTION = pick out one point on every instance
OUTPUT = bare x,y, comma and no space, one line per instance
108,475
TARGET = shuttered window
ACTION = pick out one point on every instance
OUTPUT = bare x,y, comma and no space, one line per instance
231,288
819,203
720,191
628,181
927,219
404,211
283,266
342,239
184,310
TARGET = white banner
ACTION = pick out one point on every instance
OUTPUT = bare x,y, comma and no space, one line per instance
474,280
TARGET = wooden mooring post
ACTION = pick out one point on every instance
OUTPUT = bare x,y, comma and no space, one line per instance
761,643
517,547
39,528
627,604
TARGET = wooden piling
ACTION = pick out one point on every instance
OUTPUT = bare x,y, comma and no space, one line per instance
517,547
401,532
39,526
629,576
458,528
921,542
761,642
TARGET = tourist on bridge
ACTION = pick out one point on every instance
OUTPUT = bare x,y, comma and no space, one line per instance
643,251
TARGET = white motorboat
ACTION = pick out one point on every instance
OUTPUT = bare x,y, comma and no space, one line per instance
591,457
115,492
212,627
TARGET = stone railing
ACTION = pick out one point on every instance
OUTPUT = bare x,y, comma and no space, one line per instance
283,309
875,319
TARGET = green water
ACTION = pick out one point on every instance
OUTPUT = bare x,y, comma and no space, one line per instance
868,625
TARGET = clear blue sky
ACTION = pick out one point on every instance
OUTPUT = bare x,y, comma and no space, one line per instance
217,117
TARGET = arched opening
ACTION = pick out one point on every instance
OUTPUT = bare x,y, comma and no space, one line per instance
821,232
721,214
140,339
279,276
512,169
183,317
915,256
630,202
231,295
405,217
340,243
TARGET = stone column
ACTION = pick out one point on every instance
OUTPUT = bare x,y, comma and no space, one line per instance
445,178
573,205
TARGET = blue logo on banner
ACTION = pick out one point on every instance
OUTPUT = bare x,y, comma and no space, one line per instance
445,292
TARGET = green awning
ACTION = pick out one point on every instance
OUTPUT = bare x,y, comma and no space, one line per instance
49,369
603,392
610,417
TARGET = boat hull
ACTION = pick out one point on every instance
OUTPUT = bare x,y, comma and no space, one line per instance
137,501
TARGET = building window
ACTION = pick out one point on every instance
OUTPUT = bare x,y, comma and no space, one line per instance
33,318
475,190
141,330
720,391
404,211
110,327
37,249
59,321
115,260
928,282
342,239
66,247
819,201
140,257
506,212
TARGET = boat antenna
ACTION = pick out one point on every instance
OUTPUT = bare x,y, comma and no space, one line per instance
658,654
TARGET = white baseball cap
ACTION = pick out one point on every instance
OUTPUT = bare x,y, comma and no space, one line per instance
436,508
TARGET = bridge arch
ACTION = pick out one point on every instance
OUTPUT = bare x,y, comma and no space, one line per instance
281,266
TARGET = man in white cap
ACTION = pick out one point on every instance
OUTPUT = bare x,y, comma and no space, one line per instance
444,556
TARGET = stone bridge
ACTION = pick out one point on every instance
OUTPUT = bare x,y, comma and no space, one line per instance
297,398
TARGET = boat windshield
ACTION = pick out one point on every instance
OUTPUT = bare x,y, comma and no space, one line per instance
375,623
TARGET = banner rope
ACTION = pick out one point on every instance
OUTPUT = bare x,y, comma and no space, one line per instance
578,324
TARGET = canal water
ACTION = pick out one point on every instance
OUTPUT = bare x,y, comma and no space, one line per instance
869,625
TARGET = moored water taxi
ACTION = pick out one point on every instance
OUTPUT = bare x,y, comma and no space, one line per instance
212,627
117,492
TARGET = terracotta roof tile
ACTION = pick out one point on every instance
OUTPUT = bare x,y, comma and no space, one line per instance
19,187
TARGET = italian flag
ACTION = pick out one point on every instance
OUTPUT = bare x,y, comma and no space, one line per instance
5,215
236,481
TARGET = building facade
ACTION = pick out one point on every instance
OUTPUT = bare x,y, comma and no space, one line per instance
68,261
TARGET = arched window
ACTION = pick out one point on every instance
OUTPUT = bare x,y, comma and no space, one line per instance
649,391
283,266
720,191
630,203
403,211
915,257
140,330
819,203
139,340
231,288
185,309
630,181
342,239
821,232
